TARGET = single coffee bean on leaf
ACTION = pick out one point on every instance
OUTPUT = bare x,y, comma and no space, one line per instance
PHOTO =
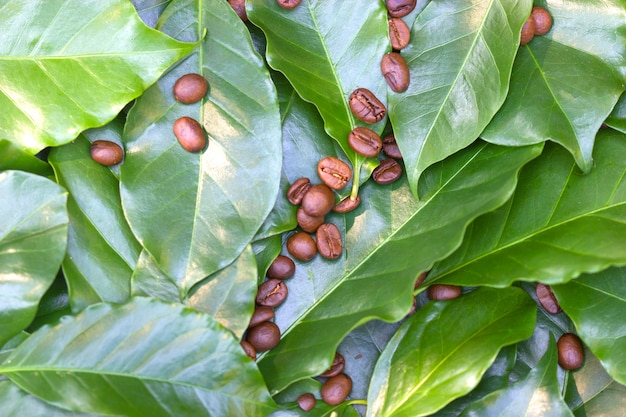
106,153
543,20
387,172
271,293
336,367
347,204
365,141
547,298
443,292
318,201
390,147
336,389
399,33
308,223
261,314
239,6
282,267
334,172
190,88
396,71
249,349
528,31
190,134
366,106
328,240
264,337
400,8
307,401
571,353
297,190
288,4
301,246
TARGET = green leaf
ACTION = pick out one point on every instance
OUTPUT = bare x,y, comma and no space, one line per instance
460,59
142,358
265,251
9,346
148,280
321,410
13,157
33,239
597,305
617,118
215,201
53,305
557,225
608,402
18,403
441,351
69,65
150,10
102,250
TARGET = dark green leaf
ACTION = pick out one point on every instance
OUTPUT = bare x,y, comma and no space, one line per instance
265,251
18,403
321,410
148,280
617,118
13,157
282,218
53,305
150,10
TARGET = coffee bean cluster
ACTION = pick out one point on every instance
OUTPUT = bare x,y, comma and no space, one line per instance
335,389
538,23
189,89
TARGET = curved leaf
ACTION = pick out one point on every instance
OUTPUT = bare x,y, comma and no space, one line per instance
137,359
149,281
13,157
441,351
66,66
617,118
18,403
460,58
33,239
150,10
215,201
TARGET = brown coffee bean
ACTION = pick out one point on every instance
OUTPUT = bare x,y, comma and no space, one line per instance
396,71
543,20
239,6
547,299
264,337
571,353
301,246
366,106
261,314
400,8
249,349
306,401
106,153
420,279
336,367
308,223
288,4
281,268
399,33
387,172
297,190
390,147
443,292
190,134
318,201
328,240
336,389
365,141
190,88
271,293
528,31
334,172
347,204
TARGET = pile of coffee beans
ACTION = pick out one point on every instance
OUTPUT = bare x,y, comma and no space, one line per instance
538,23
189,89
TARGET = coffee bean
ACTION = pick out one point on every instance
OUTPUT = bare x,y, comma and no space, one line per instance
318,201
443,292
190,88
528,31
547,299
336,367
334,172
106,153
347,204
308,223
249,349
366,106
571,353
264,337
400,8
271,293
543,20
301,246
239,6
297,190
281,268
336,389
399,33
387,172
190,134
261,314
288,4
420,280
365,141
307,401
396,71
328,240
390,147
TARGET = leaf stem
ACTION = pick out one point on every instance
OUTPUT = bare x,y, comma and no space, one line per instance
356,179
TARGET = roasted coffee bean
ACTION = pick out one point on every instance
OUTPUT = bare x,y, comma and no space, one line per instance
400,8
336,389
288,4
297,190
387,172
420,279
306,401
366,106
271,293
301,246
249,349
328,240
264,337
281,268
571,353
334,172
347,204
399,33
547,299
543,20
443,292
308,223
365,141
190,88
528,31
240,8
106,153
318,201
396,71
390,147
261,314
190,134
336,367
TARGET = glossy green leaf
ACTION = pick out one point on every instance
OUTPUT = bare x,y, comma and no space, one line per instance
558,224
18,403
102,250
150,10
148,280
609,402
265,251
222,195
460,58
53,305
142,358
441,351
10,345
617,118
33,239
597,305
13,157
321,410
66,66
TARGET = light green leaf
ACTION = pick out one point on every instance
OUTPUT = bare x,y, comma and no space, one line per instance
149,281
13,157
18,403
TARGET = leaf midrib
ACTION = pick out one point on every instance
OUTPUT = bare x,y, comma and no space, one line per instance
10,58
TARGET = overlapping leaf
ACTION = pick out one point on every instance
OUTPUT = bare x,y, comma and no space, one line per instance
558,224
617,118
66,66
18,403
460,58
14,157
